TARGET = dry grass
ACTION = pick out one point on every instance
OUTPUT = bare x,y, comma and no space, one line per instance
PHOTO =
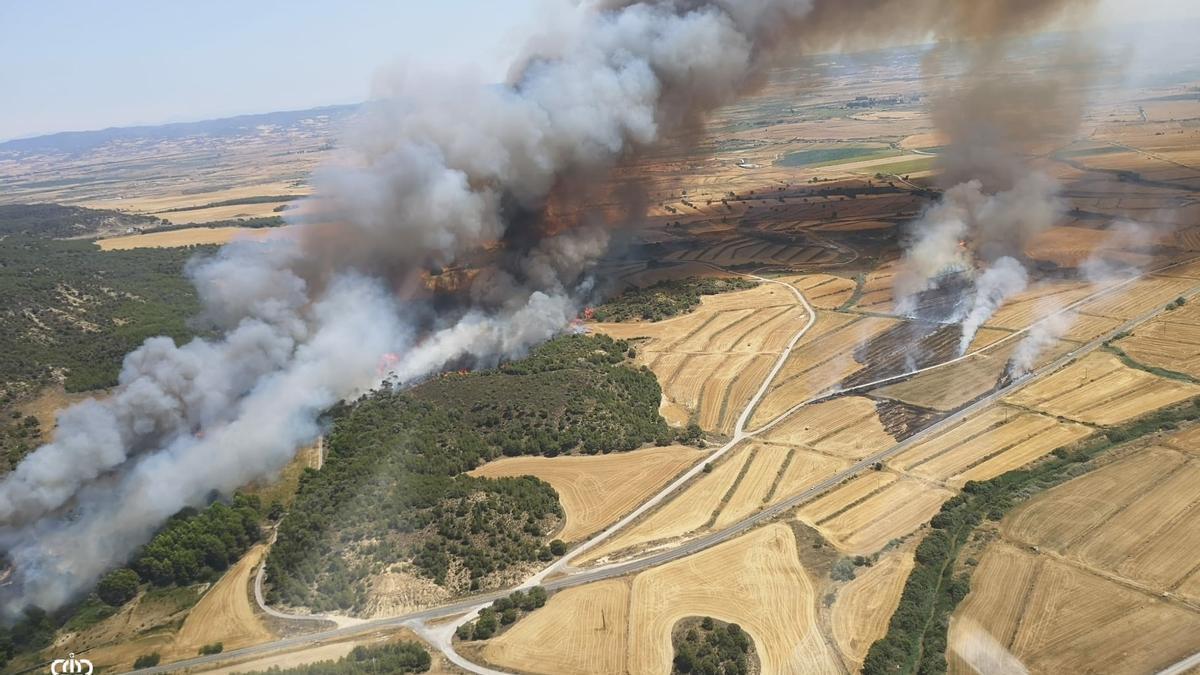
597,490
196,236
1101,390
823,291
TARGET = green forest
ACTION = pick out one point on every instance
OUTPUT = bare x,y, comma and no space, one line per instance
666,298
393,485
69,306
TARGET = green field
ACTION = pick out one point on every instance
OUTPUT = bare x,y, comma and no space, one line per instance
836,155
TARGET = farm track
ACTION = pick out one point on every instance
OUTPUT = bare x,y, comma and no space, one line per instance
441,635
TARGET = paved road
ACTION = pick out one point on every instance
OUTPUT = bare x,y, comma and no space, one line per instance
416,620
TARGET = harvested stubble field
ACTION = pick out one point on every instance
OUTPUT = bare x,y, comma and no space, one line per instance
746,250
1097,574
755,581
711,361
685,512
864,606
193,236
865,523
616,626
580,631
1054,617
1138,297
817,365
847,427
982,447
1136,518
952,386
823,291
1099,389
1171,342
1023,309
597,490
757,476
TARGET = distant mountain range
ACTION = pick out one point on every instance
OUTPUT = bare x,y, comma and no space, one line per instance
72,142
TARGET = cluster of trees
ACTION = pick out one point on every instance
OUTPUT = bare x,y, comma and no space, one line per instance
393,484
502,612
58,221
713,648
254,222
193,546
198,545
393,658
19,435
916,638
665,299
69,306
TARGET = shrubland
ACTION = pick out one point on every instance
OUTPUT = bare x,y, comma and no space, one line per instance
393,486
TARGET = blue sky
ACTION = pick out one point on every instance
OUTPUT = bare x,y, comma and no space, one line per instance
88,64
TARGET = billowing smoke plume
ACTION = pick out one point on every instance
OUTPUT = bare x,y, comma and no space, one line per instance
1004,279
514,179
995,117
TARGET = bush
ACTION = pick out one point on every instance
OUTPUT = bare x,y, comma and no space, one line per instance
558,547
214,648
147,660
118,587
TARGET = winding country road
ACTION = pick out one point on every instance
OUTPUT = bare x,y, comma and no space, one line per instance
441,636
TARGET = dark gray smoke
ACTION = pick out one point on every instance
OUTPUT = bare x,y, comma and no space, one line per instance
443,172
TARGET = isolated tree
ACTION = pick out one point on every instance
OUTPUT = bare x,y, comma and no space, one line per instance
118,587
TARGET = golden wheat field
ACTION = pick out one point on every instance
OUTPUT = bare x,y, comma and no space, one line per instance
1054,617
1099,389
580,631
193,236
867,525
755,581
1171,342
987,445
1137,298
864,606
597,490
846,427
684,512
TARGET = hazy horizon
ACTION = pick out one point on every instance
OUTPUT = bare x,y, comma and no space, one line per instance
194,77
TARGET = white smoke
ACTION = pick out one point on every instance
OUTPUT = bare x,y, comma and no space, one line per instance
967,220
440,173
1041,336
1004,279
